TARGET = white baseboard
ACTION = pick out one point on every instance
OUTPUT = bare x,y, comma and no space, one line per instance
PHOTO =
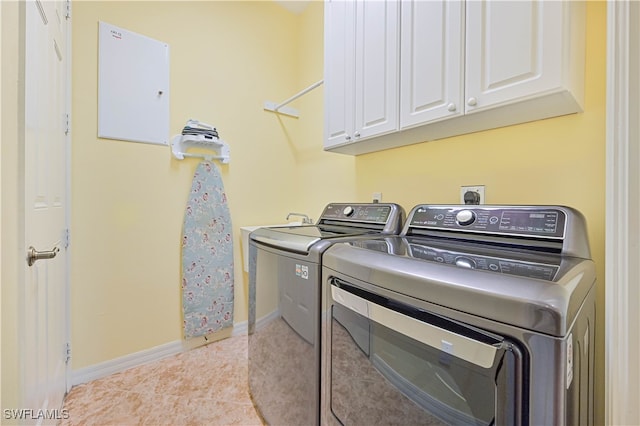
103,369
263,321
240,329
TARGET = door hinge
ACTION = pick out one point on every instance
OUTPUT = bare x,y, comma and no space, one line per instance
66,124
68,7
67,353
66,238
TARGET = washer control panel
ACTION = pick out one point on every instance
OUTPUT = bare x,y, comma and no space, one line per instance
516,220
378,213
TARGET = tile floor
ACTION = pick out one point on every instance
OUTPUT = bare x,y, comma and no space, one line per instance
203,386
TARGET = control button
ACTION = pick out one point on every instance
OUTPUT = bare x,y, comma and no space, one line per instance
494,219
493,267
465,217
465,262
348,211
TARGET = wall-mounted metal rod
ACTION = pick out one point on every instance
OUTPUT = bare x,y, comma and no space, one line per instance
297,95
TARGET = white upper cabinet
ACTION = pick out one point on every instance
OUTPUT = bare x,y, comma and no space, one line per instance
361,66
339,66
432,61
376,82
408,71
514,50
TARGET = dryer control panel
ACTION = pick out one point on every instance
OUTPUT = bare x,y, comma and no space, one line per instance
546,222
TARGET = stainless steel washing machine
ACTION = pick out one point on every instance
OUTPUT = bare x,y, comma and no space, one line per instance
284,306
479,315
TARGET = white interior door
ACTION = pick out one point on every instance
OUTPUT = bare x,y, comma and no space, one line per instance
44,304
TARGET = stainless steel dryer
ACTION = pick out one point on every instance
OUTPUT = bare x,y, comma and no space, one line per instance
479,315
284,306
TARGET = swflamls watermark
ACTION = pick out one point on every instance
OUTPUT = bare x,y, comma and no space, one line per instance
31,414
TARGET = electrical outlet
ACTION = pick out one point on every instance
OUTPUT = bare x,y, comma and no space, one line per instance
475,188
377,197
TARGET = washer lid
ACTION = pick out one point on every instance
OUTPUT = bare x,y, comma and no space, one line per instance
338,220
283,238
300,238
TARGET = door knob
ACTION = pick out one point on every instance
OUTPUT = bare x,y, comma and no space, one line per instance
33,255
472,102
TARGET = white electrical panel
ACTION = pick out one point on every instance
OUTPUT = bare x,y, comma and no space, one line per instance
133,86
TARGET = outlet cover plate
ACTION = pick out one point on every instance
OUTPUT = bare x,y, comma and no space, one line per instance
477,188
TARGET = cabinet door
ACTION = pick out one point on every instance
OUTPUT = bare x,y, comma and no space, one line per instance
339,65
431,61
376,67
514,50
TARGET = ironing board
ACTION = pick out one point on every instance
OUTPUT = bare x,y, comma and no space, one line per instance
207,256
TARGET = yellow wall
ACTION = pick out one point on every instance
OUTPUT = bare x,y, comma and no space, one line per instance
554,161
322,177
1,119
9,160
128,199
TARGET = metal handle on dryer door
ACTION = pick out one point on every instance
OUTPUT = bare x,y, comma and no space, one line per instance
34,255
473,351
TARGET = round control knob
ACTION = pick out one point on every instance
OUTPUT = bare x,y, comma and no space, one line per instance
348,211
465,262
465,217
472,102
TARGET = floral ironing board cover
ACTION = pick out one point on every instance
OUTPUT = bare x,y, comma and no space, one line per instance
207,256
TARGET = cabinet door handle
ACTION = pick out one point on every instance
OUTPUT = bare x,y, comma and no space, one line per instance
472,102
356,134
347,137
451,107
